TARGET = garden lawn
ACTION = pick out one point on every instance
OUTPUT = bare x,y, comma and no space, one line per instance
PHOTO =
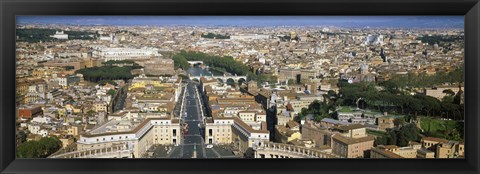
436,127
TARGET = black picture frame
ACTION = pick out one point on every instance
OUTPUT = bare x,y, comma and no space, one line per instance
10,8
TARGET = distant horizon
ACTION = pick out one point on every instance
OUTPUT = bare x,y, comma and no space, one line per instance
252,21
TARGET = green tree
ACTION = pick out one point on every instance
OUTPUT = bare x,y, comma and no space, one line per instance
392,137
215,36
111,92
31,149
381,140
459,127
97,74
180,61
315,106
458,97
52,144
398,122
39,149
331,94
449,107
415,105
407,133
431,104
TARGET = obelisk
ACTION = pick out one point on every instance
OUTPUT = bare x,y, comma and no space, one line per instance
194,150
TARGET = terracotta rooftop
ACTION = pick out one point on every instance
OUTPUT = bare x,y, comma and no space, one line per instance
349,141
349,127
385,153
247,127
292,124
440,140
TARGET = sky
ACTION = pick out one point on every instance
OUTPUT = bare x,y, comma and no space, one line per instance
341,21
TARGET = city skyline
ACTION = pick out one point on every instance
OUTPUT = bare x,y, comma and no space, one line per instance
200,87
252,21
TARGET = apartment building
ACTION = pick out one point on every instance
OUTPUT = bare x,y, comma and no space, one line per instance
137,131
351,141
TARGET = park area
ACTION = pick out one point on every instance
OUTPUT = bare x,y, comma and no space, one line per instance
448,129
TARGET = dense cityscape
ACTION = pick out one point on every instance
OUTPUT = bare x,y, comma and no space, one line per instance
220,90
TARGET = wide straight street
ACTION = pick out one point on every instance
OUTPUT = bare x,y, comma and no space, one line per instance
191,116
